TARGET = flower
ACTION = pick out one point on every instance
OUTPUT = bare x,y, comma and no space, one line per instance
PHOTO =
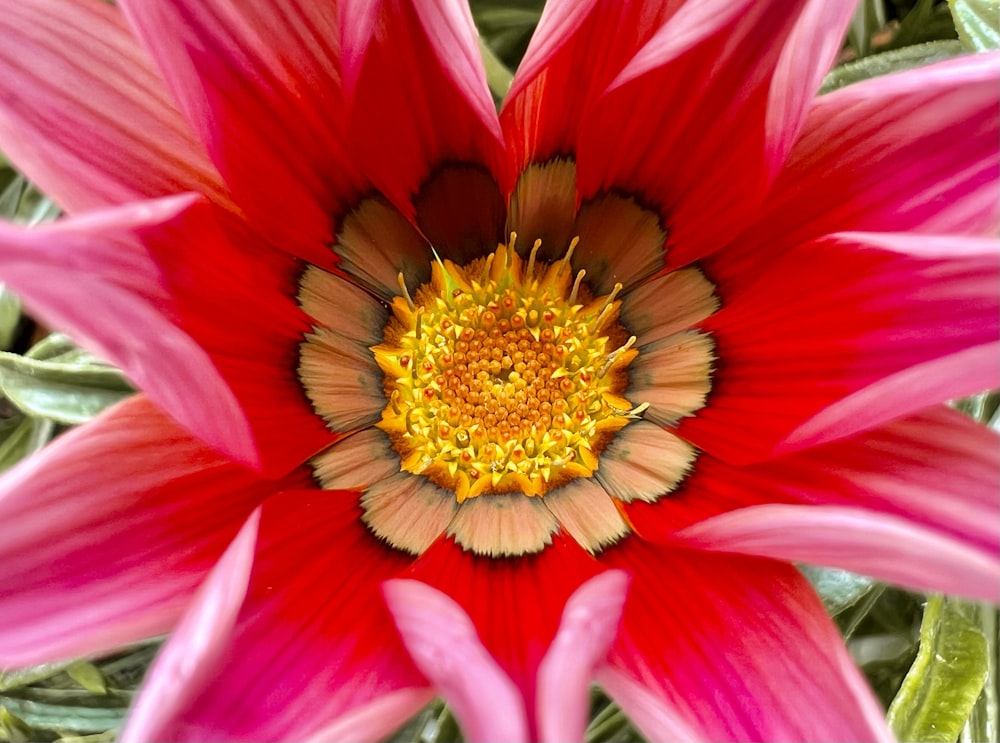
741,306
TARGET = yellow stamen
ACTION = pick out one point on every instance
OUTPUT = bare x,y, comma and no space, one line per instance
512,381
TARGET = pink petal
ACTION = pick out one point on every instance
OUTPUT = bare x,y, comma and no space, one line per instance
561,77
586,632
99,262
313,642
886,547
517,618
109,530
939,472
835,323
236,296
914,151
442,641
196,643
740,647
702,83
259,82
808,54
421,65
645,709
84,116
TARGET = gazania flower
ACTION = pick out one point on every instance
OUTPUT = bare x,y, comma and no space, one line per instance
441,401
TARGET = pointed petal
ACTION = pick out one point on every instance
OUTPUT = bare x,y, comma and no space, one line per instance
99,262
236,296
83,114
313,641
645,709
885,547
587,630
702,84
518,616
560,77
109,530
808,54
832,328
420,64
938,472
259,81
442,641
196,644
914,151
785,675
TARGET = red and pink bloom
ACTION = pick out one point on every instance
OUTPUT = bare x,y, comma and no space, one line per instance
437,401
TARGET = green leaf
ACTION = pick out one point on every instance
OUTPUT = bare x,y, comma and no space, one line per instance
10,317
839,589
945,680
893,61
14,729
20,436
88,676
977,23
498,77
58,381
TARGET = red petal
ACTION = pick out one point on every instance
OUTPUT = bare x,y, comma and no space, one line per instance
259,82
407,75
442,641
313,641
928,480
741,647
834,324
109,530
183,664
236,297
83,114
99,263
561,77
911,151
698,150
514,603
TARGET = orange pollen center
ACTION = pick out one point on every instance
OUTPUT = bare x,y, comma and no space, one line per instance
504,375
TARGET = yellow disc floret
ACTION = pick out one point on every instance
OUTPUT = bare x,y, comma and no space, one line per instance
504,375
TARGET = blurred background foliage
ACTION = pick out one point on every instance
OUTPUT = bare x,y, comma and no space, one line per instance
932,660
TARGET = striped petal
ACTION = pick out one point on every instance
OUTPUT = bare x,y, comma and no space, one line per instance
84,115
109,530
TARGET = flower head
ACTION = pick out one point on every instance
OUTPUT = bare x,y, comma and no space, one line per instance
438,400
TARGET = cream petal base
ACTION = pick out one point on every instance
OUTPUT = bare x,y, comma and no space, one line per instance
408,511
503,525
356,462
341,306
543,207
341,379
673,375
376,243
644,462
668,304
585,510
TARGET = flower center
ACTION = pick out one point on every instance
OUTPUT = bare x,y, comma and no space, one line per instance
504,375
